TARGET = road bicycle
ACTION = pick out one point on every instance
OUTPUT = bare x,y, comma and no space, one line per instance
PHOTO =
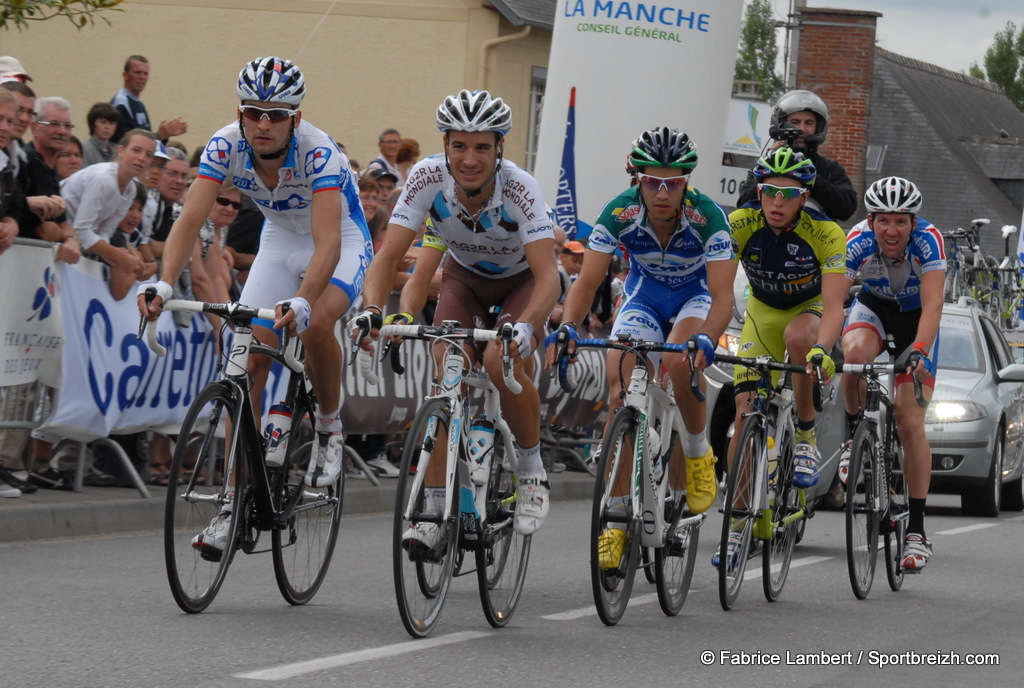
876,487
477,510
629,465
219,464
761,504
970,271
1007,281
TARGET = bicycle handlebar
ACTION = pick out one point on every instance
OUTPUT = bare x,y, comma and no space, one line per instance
232,312
876,370
452,332
766,364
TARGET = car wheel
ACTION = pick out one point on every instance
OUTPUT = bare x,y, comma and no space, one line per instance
1013,495
987,499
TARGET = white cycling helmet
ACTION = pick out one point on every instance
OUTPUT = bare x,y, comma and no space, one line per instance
474,111
893,195
271,80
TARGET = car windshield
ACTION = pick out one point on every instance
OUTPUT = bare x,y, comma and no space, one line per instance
959,348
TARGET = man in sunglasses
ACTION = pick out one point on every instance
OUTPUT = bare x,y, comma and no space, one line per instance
302,183
679,287
795,259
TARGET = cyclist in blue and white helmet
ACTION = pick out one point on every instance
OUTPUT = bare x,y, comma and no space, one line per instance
305,188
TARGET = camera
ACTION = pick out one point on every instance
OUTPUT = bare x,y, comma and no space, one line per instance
788,132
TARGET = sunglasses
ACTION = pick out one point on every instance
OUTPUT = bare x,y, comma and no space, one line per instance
254,113
656,184
788,193
227,202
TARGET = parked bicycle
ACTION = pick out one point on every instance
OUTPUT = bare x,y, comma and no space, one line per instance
876,487
219,465
761,503
474,515
641,448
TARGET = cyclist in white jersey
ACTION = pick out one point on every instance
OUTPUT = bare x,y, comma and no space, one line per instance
499,242
303,184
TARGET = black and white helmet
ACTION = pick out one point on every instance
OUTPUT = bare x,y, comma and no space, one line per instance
474,111
893,195
271,80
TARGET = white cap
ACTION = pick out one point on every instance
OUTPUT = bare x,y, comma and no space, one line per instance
12,70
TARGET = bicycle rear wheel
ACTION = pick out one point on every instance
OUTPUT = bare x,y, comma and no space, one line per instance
203,462
612,586
503,554
894,526
422,572
862,515
739,512
304,546
784,502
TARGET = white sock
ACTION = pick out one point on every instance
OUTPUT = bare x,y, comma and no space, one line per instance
433,498
329,423
618,503
528,460
695,446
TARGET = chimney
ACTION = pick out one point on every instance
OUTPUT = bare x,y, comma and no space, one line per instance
835,59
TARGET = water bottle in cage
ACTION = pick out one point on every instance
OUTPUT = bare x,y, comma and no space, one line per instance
279,424
481,442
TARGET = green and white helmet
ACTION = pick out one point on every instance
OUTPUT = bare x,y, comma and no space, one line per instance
663,147
785,162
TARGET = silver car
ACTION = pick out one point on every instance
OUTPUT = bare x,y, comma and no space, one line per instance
974,423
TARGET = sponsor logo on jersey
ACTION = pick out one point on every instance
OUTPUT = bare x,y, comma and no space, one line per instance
218,151
628,213
694,215
244,183
316,159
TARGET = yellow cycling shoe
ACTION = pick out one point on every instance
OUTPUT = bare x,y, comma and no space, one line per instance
701,483
610,546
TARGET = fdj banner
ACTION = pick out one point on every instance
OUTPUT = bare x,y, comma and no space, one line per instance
112,382
30,327
635,65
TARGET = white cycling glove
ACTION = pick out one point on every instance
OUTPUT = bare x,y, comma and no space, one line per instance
522,334
163,290
300,307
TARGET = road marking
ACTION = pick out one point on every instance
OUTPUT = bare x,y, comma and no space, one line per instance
286,671
806,561
967,529
582,612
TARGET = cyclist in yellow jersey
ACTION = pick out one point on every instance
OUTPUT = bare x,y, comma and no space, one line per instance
795,259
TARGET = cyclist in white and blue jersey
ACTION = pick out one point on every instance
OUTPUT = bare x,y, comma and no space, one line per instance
681,271
901,262
303,184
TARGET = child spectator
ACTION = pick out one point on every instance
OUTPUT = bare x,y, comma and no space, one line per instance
129,237
102,119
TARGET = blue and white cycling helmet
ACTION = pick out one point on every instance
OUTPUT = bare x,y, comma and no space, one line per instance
474,111
271,80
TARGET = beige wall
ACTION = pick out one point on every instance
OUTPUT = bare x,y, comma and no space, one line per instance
369,65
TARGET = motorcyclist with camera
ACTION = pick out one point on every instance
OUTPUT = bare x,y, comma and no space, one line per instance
800,121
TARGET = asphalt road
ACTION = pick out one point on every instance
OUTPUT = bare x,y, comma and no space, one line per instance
97,612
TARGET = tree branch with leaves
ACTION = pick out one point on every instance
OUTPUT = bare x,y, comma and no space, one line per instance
19,13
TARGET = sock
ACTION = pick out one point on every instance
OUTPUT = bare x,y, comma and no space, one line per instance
329,422
805,432
618,503
915,524
528,460
695,446
229,505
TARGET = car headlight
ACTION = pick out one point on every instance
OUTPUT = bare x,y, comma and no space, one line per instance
954,412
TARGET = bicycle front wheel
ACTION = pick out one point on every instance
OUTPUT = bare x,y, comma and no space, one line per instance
674,562
739,511
784,504
502,554
894,526
424,545
199,490
304,544
862,515
613,557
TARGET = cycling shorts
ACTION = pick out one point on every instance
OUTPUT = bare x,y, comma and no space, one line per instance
885,318
764,335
